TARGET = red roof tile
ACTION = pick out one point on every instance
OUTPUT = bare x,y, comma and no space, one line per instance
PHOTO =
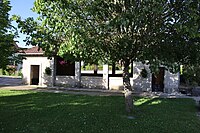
35,50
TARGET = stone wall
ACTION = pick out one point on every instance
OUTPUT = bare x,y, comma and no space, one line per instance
92,82
171,82
140,83
66,81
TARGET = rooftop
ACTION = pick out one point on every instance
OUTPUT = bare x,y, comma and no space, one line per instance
33,51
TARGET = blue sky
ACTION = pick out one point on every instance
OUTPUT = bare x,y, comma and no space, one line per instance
22,8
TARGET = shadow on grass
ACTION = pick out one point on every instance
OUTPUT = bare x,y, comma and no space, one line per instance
28,111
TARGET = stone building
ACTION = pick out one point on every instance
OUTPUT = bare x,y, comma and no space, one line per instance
69,74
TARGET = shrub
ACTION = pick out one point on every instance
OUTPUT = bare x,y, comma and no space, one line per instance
144,73
48,71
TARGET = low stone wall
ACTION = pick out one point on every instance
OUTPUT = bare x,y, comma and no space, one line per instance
138,83
66,80
92,82
86,81
116,83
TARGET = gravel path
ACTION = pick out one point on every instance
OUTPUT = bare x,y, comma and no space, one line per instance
9,80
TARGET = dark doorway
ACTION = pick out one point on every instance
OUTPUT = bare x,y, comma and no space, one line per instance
158,80
65,67
35,74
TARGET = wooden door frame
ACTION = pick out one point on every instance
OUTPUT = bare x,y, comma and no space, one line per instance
158,87
31,75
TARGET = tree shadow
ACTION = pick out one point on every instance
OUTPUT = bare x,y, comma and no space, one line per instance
28,111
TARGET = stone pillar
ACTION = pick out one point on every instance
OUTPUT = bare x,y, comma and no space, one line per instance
78,74
41,75
53,72
105,77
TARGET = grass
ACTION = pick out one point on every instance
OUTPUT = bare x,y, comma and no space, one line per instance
1,73
34,112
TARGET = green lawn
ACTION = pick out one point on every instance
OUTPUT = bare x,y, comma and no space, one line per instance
34,112
1,73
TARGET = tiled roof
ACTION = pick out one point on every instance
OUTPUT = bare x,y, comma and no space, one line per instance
33,50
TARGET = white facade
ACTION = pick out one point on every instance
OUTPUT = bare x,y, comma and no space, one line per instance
140,83
171,81
42,62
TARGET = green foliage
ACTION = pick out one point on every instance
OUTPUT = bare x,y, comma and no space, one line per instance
7,47
1,72
160,32
20,74
87,67
144,73
11,70
191,75
48,71
61,113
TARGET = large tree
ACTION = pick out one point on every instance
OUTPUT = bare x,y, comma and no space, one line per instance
7,46
162,32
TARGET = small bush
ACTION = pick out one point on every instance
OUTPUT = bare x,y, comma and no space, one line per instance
20,74
48,71
144,73
10,70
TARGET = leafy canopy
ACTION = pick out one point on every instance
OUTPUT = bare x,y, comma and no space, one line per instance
162,32
6,37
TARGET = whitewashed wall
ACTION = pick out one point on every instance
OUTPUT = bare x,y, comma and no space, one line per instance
92,82
116,83
140,83
43,62
66,80
171,82
86,81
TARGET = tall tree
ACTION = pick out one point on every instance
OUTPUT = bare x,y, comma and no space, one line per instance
158,32
7,46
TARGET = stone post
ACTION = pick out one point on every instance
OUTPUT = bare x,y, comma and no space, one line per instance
105,77
53,74
78,74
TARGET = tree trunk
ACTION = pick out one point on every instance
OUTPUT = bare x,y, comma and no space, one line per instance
95,69
54,71
113,68
127,87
